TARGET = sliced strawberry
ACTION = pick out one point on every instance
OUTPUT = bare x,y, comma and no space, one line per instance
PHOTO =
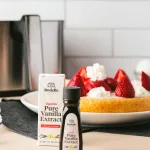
100,83
119,75
125,88
77,81
94,84
82,72
85,80
89,85
112,83
145,81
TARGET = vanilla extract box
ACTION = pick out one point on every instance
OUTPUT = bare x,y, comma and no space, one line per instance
50,102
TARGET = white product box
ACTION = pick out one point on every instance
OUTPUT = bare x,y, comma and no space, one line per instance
50,102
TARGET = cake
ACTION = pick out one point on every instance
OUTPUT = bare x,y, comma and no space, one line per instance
113,105
102,94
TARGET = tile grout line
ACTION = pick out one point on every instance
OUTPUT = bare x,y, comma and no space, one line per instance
107,28
110,0
105,57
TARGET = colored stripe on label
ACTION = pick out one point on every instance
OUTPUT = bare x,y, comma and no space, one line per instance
49,126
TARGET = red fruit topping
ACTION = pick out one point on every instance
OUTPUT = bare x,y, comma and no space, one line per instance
119,75
112,83
145,81
77,81
82,72
94,84
125,88
89,85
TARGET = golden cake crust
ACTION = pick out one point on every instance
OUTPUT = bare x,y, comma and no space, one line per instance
114,105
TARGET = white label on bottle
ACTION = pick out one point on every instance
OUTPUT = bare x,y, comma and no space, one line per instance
71,133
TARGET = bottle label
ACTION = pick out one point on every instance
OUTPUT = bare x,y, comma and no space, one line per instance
71,133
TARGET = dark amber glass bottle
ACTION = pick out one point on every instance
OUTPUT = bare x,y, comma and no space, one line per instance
71,133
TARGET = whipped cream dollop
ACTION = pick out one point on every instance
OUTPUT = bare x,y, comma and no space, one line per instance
99,92
140,91
96,72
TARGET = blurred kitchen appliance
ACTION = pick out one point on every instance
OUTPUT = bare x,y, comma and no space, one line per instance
29,46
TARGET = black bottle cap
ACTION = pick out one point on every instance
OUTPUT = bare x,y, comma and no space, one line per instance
71,93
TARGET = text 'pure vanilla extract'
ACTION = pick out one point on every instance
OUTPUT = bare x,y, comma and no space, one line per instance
71,134
50,104
51,114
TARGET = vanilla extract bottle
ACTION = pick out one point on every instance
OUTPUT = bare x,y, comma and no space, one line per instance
71,134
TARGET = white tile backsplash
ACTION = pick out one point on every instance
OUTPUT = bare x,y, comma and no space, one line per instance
107,14
82,42
115,33
46,9
132,43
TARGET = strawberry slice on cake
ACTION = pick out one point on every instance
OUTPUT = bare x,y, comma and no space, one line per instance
145,81
119,75
82,72
125,88
112,83
77,81
94,84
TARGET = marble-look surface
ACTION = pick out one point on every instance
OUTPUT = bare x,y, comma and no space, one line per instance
92,141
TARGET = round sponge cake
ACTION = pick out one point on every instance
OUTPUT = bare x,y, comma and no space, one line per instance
114,105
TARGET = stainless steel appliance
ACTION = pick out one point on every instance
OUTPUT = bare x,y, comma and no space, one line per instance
28,47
